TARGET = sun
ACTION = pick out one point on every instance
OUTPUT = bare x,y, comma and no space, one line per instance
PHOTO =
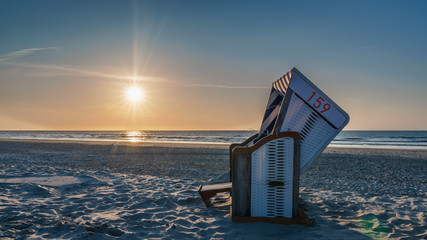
134,94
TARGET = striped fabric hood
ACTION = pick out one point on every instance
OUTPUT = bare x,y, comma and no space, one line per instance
296,104
274,104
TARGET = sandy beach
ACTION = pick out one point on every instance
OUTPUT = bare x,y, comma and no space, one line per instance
109,190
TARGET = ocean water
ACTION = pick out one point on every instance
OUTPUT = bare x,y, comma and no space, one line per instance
358,139
382,139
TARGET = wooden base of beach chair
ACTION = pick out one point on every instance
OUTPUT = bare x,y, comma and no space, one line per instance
209,191
302,219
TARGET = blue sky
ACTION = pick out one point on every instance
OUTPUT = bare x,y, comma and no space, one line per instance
207,64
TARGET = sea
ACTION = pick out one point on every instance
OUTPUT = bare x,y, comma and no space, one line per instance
354,139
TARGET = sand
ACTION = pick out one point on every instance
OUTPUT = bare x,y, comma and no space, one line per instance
107,190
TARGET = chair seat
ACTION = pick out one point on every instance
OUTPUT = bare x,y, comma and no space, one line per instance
209,191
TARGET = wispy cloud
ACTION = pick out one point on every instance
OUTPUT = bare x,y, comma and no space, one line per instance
66,70
79,72
49,70
23,52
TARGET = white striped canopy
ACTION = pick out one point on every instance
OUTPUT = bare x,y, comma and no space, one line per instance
274,104
282,84
296,104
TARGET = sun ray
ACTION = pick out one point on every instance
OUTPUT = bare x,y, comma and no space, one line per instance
134,94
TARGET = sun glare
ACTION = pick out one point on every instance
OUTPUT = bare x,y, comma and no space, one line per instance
134,94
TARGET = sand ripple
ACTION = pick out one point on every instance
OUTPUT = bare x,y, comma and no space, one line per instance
61,191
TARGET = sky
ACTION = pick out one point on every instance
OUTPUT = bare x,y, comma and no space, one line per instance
207,65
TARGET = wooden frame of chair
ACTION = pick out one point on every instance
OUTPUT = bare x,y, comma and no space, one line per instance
241,160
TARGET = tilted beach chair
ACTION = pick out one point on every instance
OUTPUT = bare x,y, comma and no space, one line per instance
296,104
298,124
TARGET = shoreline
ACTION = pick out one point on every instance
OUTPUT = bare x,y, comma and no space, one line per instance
124,142
196,145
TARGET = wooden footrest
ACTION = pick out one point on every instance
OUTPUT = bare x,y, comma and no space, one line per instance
208,191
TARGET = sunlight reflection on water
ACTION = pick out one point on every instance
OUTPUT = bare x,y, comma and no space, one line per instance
134,136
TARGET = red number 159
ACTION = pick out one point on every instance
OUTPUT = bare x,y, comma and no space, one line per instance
320,102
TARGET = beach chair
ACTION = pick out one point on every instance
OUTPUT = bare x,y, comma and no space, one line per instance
296,104
298,124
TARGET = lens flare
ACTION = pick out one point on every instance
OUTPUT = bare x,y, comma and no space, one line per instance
134,94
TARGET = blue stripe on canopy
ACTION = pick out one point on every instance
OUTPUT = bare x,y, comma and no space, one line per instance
282,84
271,112
274,105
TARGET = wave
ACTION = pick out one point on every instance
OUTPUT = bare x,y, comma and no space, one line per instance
352,138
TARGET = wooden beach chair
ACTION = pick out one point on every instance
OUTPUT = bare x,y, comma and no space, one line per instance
298,124
296,104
